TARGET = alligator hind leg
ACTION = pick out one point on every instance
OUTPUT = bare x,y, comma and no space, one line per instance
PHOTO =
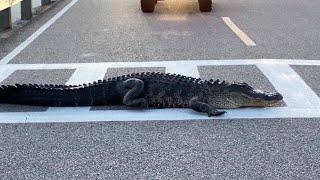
131,98
200,106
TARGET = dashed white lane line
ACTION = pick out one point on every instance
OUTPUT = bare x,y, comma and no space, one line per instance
243,36
36,34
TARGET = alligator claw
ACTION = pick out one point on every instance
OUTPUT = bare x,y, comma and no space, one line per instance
215,113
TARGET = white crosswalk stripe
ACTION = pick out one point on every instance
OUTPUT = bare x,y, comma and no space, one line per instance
300,99
80,76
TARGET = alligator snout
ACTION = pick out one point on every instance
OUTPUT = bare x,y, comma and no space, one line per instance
274,96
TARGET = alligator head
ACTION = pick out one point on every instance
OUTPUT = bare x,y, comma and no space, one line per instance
237,95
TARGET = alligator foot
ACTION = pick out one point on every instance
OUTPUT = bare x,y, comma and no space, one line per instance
200,106
131,98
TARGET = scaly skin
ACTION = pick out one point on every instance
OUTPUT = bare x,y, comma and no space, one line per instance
143,90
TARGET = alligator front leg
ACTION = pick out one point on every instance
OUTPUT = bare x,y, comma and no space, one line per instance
131,98
200,106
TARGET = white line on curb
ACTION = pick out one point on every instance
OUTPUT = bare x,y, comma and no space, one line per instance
36,34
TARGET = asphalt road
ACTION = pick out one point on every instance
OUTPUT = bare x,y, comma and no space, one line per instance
95,31
116,31
231,149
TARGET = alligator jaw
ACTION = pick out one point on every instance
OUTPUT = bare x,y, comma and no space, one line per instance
264,99
268,96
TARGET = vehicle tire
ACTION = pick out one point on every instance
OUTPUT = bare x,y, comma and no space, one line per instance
205,5
147,5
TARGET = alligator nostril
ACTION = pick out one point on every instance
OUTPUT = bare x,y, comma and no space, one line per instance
278,96
273,96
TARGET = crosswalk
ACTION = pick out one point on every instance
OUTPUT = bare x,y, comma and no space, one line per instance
299,99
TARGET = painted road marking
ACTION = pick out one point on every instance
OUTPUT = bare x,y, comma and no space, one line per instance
5,72
187,70
80,76
243,36
181,63
77,115
277,71
36,34
183,67
86,75
296,92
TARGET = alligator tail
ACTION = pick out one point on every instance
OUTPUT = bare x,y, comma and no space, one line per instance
44,95
98,93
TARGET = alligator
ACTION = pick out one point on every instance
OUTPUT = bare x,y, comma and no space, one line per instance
143,90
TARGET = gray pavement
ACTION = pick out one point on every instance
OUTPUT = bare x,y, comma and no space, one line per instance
10,40
310,75
228,149
118,31
109,31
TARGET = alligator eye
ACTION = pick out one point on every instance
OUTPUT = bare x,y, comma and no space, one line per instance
246,86
242,84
